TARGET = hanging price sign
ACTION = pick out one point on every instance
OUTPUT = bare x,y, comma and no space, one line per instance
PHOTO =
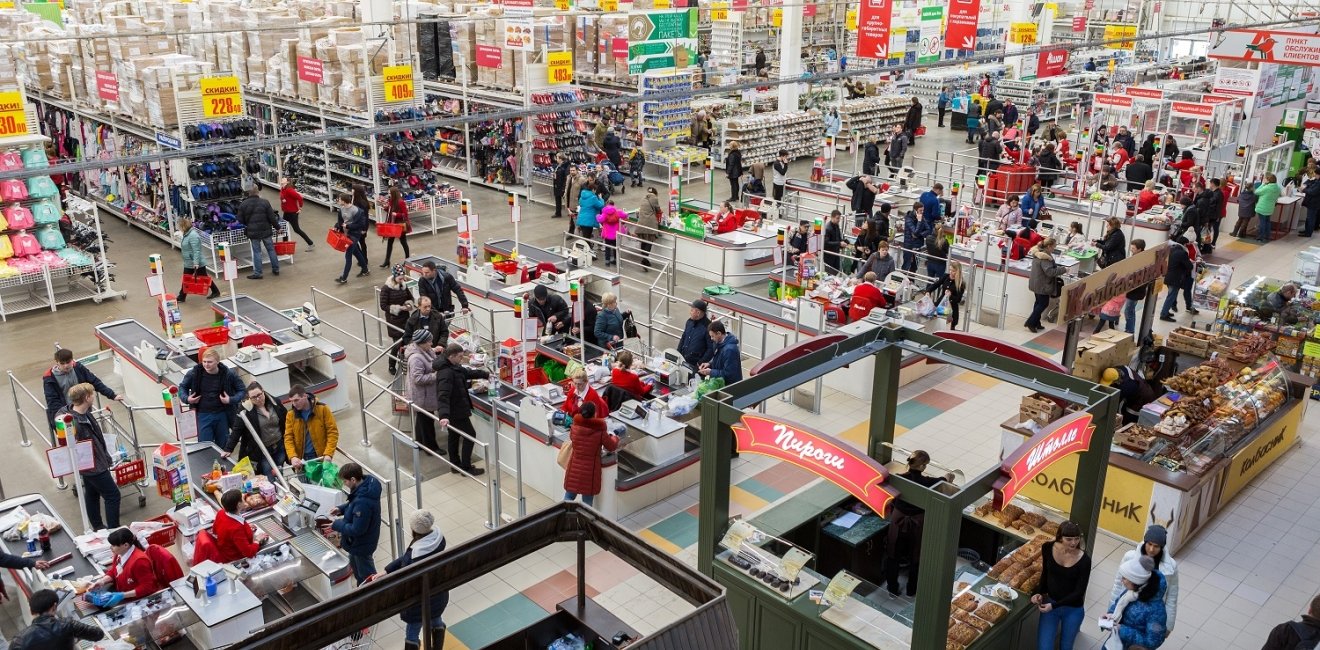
1022,33
559,67
777,17
398,83
562,5
221,97
719,11
850,19
13,115
609,5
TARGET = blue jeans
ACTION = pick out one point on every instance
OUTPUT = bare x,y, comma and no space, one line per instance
589,499
269,244
354,251
1038,308
1063,622
213,426
1130,316
97,488
363,566
1263,228
412,632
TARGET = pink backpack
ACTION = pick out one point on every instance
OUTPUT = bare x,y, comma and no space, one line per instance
19,217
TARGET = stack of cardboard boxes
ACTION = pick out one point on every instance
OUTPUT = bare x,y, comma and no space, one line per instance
1104,350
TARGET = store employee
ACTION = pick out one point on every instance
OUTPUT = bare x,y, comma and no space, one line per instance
1277,303
550,309
234,537
905,526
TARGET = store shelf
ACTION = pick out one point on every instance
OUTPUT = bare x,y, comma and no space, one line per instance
762,137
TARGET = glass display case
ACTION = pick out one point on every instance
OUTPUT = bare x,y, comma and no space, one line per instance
776,563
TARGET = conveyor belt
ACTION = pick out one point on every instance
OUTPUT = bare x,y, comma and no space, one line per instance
757,307
254,311
538,255
61,541
126,335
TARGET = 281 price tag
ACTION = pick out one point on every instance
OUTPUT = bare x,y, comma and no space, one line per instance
221,97
559,67
13,115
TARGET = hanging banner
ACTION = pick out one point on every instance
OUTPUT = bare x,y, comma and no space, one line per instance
719,11
1190,109
964,18
559,67
489,56
897,42
1295,48
873,22
518,35
1051,63
1115,101
1079,23
662,39
932,38
1144,93
1068,436
107,86
1022,33
399,83
822,455
311,70
1118,36
221,97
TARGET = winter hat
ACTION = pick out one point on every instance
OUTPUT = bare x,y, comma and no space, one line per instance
421,336
1137,570
1157,535
421,522
1108,378
699,304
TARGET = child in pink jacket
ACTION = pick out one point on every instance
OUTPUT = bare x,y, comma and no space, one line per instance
611,220
1110,311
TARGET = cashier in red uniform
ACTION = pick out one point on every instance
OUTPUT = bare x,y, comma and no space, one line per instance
579,391
1148,198
131,574
623,377
865,297
727,220
234,537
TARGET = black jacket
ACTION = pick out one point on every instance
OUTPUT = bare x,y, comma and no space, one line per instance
356,224
1137,173
1285,636
390,296
1180,267
561,176
993,106
230,384
240,438
1208,204
451,384
870,156
435,322
833,237
990,152
913,118
440,291
258,218
87,429
1113,248
613,148
733,167
554,306
1311,193
49,632
695,345
863,199
55,400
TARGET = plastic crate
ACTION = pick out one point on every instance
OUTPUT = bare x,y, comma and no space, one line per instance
130,472
212,335
196,285
389,230
165,536
506,266
285,247
337,240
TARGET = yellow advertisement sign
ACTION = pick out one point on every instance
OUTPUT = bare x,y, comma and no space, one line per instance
609,5
221,97
1268,446
559,67
662,4
1022,33
562,5
1124,507
777,17
399,83
719,11
1120,34
13,114
851,20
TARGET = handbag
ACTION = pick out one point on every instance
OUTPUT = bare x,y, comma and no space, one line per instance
565,454
1056,287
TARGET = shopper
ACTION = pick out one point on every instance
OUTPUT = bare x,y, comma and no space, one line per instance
361,202
291,205
1033,205
1010,214
1050,166
422,388
562,168
833,123
194,263
989,152
454,407
695,345
915,231
1113,247
937,256
759,61
1311,201
912,121
49,630
260,427
1267,196
904,532
1138,613
8,561
942,104
609,328
1246,201
1210,202
310,430
130,575
550,309
733,169
98,484
1138,172
973,119
234,537
437,283
589,206
932,206
896,151
1294,635
1131,298
396,212
871,156
726,361
260,224
611,220
358,522
881,263
651,218
583,474
353,222
426,541
612,146
214,392
428,319
1153,546
952,286
832,242
395,301
1010,113
1148,150
1044,281
1178,274
1061,595
863,194
64,375
779,172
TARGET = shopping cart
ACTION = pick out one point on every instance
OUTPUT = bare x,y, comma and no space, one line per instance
1212,284
130,469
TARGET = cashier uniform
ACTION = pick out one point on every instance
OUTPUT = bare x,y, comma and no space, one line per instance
134,574
233,538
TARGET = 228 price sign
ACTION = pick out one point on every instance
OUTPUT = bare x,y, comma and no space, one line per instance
399,83
13,115
559,67
221,97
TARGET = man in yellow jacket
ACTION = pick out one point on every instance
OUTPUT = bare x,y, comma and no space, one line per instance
310,431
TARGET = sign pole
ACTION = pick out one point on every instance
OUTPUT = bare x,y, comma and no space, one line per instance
515,215
69,429
228,270
710,181
578,314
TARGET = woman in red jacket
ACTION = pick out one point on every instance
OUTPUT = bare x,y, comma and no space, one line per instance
1184,167
233,537
397,212
623,376
131,572
582,476
291,203
580,392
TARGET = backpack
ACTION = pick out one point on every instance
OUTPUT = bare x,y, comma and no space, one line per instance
1308,638
164,564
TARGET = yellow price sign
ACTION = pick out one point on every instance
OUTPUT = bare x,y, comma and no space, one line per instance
7,4
777,17
1120,34
1022,33
13,114
559,67
221,97
562,5
851,20
663,4
399,83
719,11
609,5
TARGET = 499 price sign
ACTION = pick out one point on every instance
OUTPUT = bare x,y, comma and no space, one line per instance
221,97
399,83
13,118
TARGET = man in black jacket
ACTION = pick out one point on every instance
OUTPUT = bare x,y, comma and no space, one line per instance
1294,634
989,152
354,223
428,318
1137,173
260,223
454,406
561,185
695,344
1179,273
863,194
550,309
51,632
871,156
613,148
65,374
833,243
437,284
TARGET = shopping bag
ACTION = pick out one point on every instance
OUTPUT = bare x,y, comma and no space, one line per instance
709,384
324,473
244,467
565,454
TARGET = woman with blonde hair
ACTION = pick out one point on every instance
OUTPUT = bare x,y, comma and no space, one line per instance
609,323
954,286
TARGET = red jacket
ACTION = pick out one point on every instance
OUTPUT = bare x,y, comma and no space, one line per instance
866,296
399,214
728,223
138,578
1146,200
582,476
290,200
233,538
571,402
630,382
1184,166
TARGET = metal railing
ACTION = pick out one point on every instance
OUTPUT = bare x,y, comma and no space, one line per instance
365,317
24,421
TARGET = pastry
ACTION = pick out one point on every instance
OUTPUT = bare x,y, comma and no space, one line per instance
1034,518
1009,514
963,633
966,601
985,509
992,612
980,624
1030,584
954,646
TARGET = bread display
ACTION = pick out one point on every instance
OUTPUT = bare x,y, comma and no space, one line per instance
1023,577
1009,514
963,633
969,618
1030,584
1034,518
985,509
1050,528
966,602
954,646
992,612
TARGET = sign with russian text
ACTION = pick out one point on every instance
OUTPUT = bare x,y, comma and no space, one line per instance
1191,109
1051,63
518,35
489,56
107,86
1113,101
1119,37
1260,453
964,18
399,83
221,97
719,11
932,38
1295,48
873,22
1022,33
311,70
1068,436
1089,293
559,67
822,455
1144,93
1237,81
1079,23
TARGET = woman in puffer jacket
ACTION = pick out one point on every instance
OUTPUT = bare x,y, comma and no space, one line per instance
582,476
1153,546
1138,614
426,541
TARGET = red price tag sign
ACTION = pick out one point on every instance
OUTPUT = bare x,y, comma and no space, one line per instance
13,116
221,97
489,56
311,70
107,86
559,67
398,83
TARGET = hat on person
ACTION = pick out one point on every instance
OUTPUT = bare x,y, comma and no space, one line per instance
421,336
1137,570
540,292
700,304
1108,377
398,270
1157,535
421,522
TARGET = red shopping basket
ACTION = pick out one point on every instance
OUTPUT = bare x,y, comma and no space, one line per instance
196,285
389,230
130,472
212,335
338,240
165,536
506,266
285,247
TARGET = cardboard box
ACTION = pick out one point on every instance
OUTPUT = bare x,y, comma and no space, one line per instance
1040,409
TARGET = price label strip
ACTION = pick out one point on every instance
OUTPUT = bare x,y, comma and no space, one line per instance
739,532
221,97
840,588
559,67
791,564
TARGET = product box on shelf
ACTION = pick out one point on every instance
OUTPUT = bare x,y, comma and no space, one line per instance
1040,409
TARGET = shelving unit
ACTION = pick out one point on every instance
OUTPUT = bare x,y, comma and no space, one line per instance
866,118
926,85
726,53
763,136
664,123
1043,94
558,132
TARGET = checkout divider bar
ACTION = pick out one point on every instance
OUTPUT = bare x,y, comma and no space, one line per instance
367,346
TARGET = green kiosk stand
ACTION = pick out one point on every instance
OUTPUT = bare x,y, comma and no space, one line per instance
804,573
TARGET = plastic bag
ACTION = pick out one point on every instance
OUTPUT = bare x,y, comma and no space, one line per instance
323,473
709,384
682,405
244,467
925,306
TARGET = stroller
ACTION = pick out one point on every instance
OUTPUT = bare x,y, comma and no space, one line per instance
614,177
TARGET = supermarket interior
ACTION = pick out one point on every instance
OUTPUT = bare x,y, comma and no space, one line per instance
1017,297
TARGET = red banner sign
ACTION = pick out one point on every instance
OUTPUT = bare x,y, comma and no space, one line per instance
1215,99
1190,109
739,5
809,10
1067,436
1079,23
819,454
311,70
964,17
1145,93
1051,63
873,21
1116,101
489,56
619,47
107,86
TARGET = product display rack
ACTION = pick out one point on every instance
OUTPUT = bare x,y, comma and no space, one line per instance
1078,59
926,85
558,132
1043,94
762,137
726,53
486,144
664,123
864,119
308,165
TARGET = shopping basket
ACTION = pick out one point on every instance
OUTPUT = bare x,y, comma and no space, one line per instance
212,335
196,285
338,240
130,472
285,247
165,536
389,230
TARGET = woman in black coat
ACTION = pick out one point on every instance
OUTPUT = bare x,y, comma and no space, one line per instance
1113,248
912,121
266,415
733,169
